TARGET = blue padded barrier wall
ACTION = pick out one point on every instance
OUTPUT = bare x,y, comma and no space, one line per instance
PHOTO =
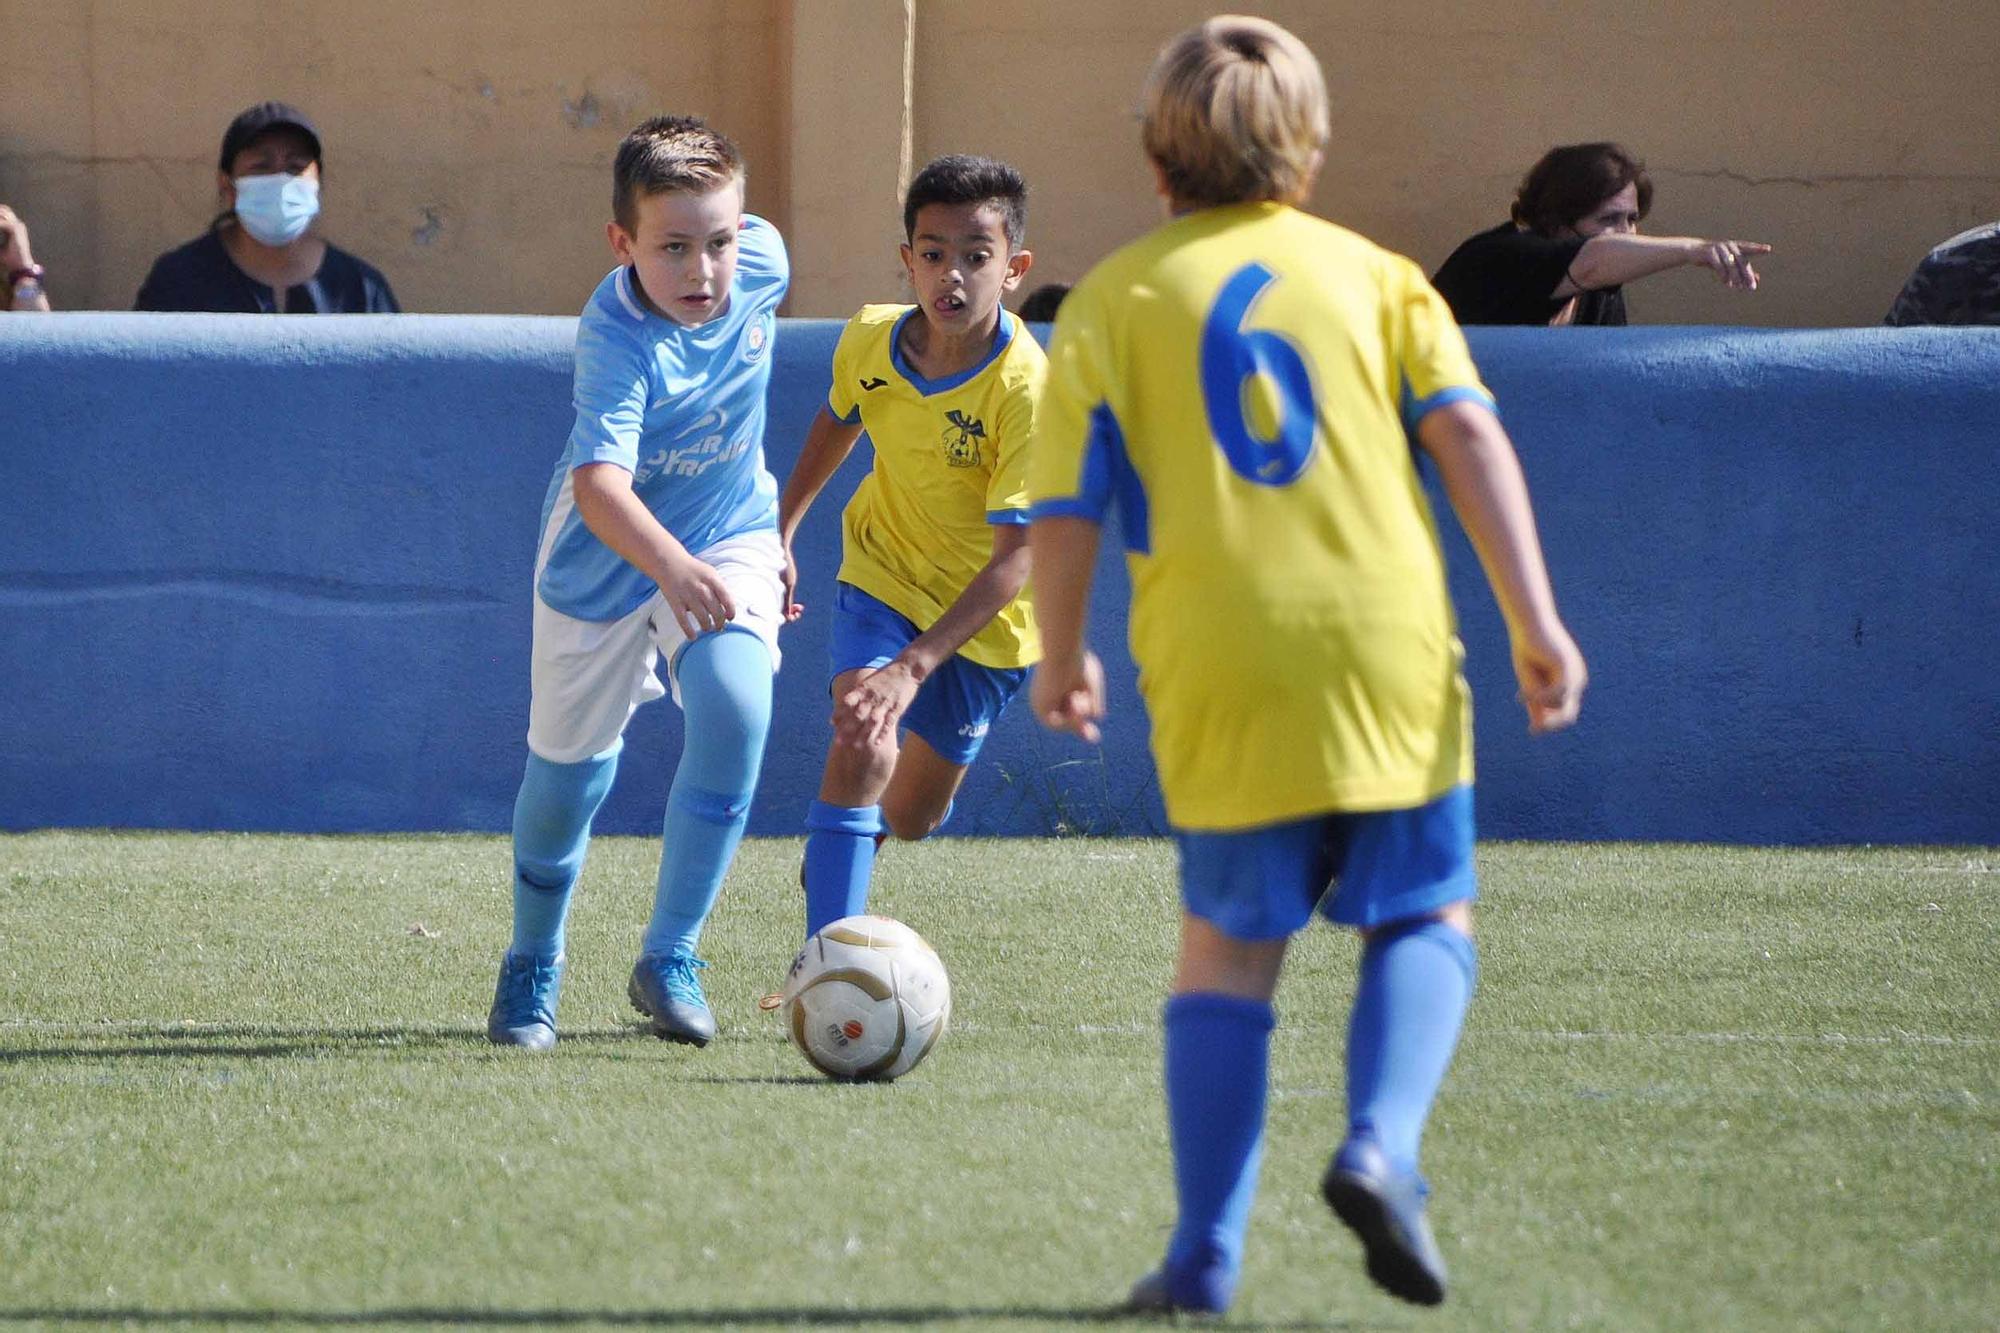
273,573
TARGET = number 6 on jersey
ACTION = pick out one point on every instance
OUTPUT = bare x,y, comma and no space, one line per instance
1230,356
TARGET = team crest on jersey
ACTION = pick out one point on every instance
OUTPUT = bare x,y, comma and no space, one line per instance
961,439
756,339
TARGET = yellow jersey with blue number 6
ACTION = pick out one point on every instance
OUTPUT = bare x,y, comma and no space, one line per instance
1242,386
950,463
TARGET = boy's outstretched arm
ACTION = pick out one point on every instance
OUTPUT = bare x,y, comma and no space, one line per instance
871,710
1067,692
829,441
1612,258
618,518
1483,479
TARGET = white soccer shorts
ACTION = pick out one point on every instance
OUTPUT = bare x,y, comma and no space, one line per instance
590,676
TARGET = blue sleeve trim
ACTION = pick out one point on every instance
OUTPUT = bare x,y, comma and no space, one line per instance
851,419
1416,409
1006,517
1108,480
1065,508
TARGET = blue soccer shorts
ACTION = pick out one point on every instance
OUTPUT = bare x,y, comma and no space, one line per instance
1363,870
955,707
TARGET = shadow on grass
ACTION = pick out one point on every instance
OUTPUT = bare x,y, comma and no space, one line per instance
232,1042
796,1315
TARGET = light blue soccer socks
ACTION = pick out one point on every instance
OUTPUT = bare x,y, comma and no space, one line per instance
725,688
1217,1064
1409,1004
840,858
552,817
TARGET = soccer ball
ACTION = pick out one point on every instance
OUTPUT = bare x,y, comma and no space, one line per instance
866,998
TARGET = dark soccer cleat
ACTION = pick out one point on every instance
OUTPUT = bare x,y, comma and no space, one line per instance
524,1002
1154,1294
664,988
1385,1208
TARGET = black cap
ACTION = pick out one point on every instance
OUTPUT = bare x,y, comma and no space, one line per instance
259,118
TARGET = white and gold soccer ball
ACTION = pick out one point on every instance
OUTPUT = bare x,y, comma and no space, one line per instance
866,998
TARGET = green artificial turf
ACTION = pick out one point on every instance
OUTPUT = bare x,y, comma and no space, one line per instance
243,1081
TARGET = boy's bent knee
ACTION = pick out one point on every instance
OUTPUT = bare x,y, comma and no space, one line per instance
905,829
862,768
910,825
727,673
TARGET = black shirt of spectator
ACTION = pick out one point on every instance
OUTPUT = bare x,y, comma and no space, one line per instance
201,276
1507,275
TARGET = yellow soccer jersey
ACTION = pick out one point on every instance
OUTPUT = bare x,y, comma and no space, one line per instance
1242,385
950,462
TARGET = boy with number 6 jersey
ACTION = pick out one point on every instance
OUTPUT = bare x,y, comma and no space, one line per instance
1243,386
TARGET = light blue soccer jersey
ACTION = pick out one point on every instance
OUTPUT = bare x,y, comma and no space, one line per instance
682,409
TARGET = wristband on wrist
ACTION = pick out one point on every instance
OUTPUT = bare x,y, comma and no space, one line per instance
32,273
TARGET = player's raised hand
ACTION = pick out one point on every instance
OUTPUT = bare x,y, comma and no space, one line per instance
1552,675
793,608
701,601
1730,262
868,714
1069,696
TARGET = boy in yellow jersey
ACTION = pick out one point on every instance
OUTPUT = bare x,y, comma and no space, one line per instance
1243,385
932,634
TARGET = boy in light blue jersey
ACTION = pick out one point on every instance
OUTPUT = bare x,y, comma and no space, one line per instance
659,540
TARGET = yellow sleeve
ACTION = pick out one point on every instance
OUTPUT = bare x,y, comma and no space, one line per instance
1072,419
1436,366
841,398
1007,490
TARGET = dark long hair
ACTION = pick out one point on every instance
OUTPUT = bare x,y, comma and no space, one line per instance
1570,181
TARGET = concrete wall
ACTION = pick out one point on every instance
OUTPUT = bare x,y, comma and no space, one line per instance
1852,136
468,140
468,143
273,573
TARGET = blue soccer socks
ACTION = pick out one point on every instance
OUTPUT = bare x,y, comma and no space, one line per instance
552,817
698,841
1217,1064
1416,981
725,688
840,858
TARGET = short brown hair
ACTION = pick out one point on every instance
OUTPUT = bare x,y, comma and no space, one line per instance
1569,182
670,153
1236,110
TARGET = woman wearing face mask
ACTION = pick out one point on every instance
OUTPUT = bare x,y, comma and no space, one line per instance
262,256
1573,243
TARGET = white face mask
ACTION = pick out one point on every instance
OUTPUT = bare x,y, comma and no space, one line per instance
276,209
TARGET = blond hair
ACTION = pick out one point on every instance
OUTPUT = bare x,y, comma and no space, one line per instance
1235,111
670,153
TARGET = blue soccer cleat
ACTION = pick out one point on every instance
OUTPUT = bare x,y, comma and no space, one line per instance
524,1002
664,988
1385,1208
